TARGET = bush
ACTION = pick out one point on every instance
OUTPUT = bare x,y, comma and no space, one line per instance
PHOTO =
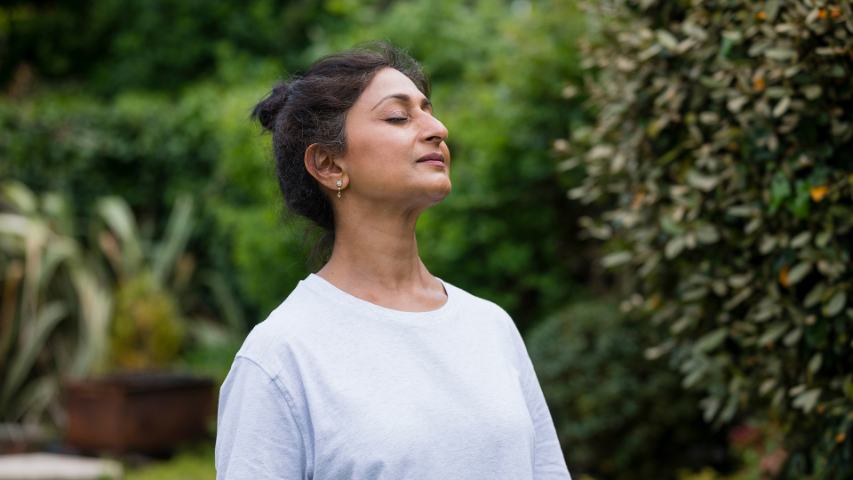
142,146
721,149
55,308
619,415
150,151
109,46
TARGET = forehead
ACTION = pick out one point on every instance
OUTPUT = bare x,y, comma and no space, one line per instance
388,81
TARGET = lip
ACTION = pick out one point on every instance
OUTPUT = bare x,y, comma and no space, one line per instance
436,158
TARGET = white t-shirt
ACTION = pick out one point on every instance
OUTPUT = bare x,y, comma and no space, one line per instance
333,387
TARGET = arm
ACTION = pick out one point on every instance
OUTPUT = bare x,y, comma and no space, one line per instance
548,456
257,434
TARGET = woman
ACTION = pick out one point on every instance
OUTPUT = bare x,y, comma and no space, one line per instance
372,368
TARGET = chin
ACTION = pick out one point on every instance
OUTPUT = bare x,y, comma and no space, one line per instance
441,191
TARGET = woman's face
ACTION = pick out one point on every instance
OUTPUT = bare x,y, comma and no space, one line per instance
388,131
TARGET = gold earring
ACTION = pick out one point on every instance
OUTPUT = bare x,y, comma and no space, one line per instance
339,183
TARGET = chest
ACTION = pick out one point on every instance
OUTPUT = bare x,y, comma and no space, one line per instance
418,402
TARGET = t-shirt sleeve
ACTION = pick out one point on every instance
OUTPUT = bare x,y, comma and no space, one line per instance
257,436
549,463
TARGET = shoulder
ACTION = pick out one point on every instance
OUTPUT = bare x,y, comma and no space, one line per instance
479,307
301,314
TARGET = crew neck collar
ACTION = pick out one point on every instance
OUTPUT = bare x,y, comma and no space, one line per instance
323,287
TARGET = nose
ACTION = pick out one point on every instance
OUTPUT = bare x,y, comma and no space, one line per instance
434,131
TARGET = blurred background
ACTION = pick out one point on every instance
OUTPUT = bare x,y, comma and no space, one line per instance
658,192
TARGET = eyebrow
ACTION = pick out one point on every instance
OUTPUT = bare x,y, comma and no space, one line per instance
402,96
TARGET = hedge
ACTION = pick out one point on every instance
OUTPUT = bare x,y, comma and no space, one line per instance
721,153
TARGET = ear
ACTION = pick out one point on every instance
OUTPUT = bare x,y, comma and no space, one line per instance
321,164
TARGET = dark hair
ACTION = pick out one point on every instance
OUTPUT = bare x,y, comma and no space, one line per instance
311,108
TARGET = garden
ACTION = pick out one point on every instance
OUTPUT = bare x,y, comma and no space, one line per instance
659,193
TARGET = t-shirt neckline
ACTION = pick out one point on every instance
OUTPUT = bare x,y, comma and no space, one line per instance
324,287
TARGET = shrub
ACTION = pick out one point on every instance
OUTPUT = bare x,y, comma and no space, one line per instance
150,150
618,415
55,308
113,45
721,151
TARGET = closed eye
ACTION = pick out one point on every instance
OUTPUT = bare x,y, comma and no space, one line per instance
396,119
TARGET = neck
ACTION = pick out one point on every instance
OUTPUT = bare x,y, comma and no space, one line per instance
378,250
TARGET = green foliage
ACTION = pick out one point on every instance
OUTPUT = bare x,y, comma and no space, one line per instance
115,45
55,311
194,462
147,327
143,146
75,304
151,151
498,70
245,203
721,151
503,232
619,415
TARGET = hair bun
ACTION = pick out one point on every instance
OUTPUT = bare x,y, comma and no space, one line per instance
267,109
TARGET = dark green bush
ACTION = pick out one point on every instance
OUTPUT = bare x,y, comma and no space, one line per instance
618,414
144,147
108,46
149,150
721,149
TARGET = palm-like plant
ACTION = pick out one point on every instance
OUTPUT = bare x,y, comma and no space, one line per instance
55,306
64,315
148,327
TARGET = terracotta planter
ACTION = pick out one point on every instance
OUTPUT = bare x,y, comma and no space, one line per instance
145,412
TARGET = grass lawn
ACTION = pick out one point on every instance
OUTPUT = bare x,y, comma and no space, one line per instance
191,463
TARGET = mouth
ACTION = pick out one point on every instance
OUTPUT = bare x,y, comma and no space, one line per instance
432,158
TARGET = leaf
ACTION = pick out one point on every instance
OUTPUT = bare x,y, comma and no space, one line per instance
615,259
117,215
835,304
733,302
822,239
175,240
706,183
811,91
801,204
780,54
20,197
667,40
792,337
14,224
95,307
799,272
801,240
814,363
707,234
674,247
711,340
742,211
780,189
710,406
226,301
781,107
768,243
32,345
772,334
807,400
814,296
736,104
740,281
